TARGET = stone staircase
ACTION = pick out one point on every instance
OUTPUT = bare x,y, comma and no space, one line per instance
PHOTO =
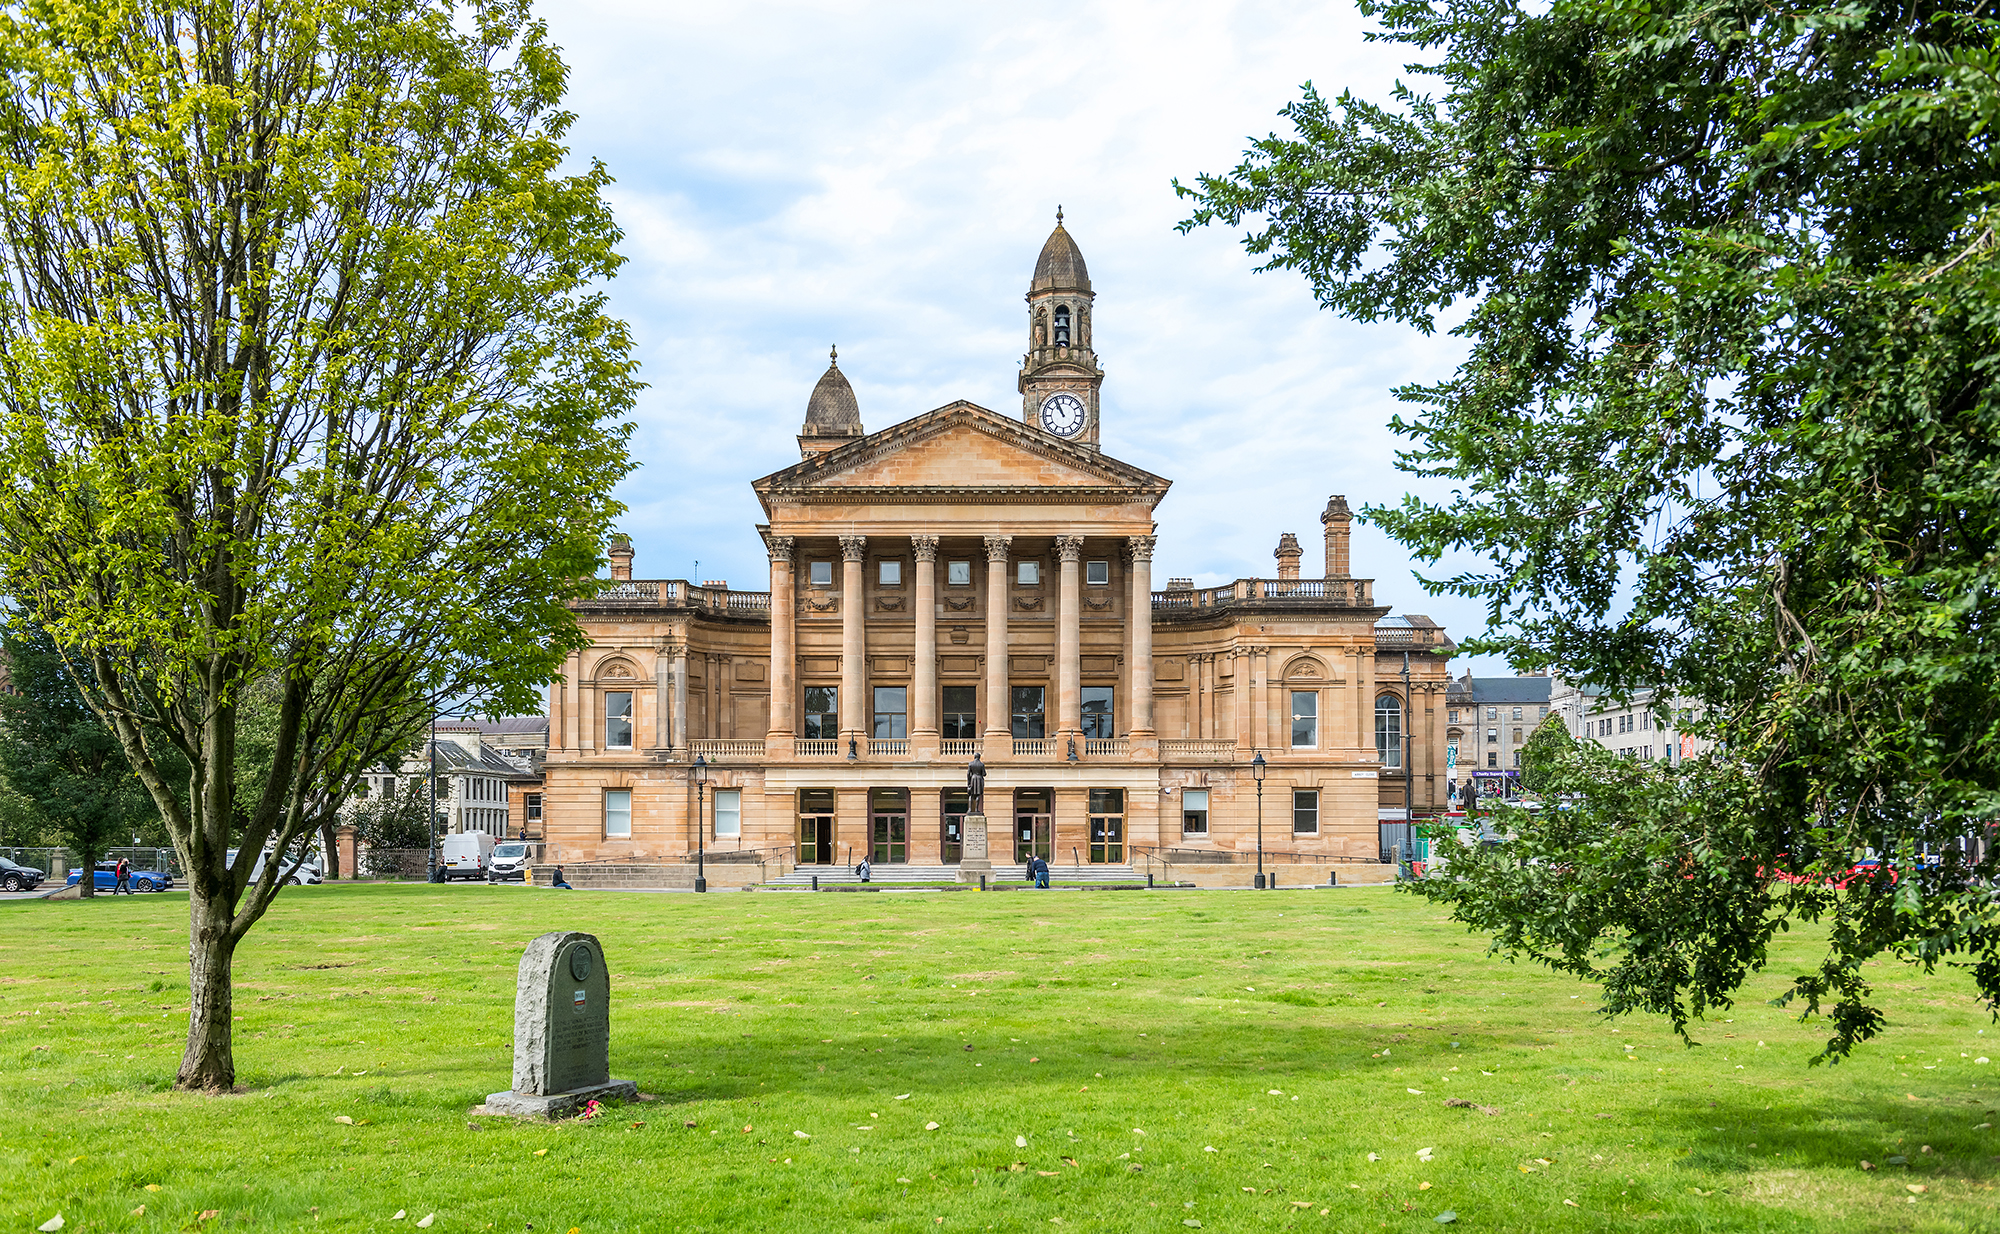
1015,873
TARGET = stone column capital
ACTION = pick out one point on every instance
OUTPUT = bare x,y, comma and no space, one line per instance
1069,548
853,548
996,548
1141,547
924,547
779,547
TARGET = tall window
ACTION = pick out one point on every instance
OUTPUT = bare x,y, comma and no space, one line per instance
1028,719
890,573
961,712
1305,811
1194,811
1097,573
388,786
892,711
1062,325
728,812
821,573
1305,719
1389,730
617,812
1097,717
958,573
1492,736
618,719
1492,758
532,807
821,717
1517,713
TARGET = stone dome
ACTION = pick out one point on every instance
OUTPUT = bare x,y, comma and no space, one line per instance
1060,267
832,411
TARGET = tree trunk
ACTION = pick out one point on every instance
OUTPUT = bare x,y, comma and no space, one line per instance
209,1064
86,883
332,849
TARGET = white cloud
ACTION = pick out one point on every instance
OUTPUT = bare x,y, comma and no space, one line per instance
881,176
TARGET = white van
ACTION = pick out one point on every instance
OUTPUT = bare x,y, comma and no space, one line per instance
466,854
295,869
510,857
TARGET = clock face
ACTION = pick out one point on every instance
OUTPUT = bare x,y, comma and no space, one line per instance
1063,414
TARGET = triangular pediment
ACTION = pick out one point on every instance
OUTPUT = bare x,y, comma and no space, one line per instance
962,447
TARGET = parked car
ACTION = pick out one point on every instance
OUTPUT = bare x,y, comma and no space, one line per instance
297,870
19,877
107,878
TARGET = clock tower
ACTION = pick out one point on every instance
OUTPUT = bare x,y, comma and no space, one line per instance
1059,375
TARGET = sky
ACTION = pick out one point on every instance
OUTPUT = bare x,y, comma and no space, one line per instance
881,176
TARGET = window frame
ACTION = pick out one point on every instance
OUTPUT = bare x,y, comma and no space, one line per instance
1018,719
884,567
1188,828
1312,717
716,814
808,714
610,798
952,570
531,807
1093,568
1389,746
897,719
627,717
1300,795
970,731
1027,572
1108,716
814,570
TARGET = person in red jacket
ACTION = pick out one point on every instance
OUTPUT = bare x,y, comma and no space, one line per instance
124,877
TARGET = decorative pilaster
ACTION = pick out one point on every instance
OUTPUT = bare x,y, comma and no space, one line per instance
1246,668
679,654
1142,640
784,644
853,637
663,676
999,704
1069,637
924,707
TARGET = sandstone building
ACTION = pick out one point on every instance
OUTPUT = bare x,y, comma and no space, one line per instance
977,582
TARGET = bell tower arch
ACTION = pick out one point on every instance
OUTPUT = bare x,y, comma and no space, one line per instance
1059,376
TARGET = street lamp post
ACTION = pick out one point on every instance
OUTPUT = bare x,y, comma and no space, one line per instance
431,821
1409,753
1257,769
700,822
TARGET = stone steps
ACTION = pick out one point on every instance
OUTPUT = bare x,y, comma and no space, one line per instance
844,876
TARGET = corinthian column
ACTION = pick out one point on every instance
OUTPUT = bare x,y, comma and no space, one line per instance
853,637
1069,637
784,638
1142,638
999,709
924,707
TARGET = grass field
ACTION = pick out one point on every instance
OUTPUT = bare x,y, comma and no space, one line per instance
1091,1060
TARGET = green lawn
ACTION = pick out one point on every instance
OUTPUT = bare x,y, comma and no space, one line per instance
1092,1060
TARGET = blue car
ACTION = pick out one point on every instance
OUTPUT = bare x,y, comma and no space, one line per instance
107,878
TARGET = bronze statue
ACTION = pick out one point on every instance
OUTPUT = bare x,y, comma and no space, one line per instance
975,787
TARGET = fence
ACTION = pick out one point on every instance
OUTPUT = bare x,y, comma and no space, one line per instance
54,860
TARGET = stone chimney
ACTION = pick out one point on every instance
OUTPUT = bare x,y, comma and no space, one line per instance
621,558
1288,554
1338,520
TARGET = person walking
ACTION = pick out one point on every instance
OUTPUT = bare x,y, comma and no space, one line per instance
124,877
864,870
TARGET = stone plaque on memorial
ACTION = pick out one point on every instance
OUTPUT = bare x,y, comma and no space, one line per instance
562,1030
973,858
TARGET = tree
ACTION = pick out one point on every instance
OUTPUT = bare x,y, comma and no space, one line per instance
62,757
1734,312
305,381
399,820
1550,739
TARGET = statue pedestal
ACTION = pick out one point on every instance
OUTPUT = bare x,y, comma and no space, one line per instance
973,860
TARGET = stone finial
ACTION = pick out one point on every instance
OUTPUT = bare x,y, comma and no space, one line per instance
1288,554
621,558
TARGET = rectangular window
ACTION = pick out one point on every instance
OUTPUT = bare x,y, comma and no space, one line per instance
618,719
532,807
1517,736
1492,736
1028,719
1517,758
1492,713
821,716
892,711
961,712
388,786
1543,713
1604,728
1517,713
1492,758
728,813
958,573
1097,716
363,786
1453,717
1646,721
1194,811
1097,573
1028,573
821,573
1305,720
1305,811
617,812
889,573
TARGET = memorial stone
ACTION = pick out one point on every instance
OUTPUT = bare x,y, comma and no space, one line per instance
562,1030
974,859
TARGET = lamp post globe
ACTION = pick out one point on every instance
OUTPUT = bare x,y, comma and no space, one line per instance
700,777
1257,770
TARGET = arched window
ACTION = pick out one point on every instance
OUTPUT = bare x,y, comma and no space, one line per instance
1389,730
1062,325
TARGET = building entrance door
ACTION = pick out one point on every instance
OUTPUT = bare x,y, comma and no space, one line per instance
815,827
951,840
1107,826
889,812
1034,824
